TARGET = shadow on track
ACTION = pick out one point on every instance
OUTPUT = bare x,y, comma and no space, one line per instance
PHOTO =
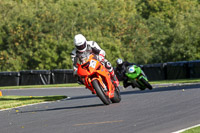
65,108
82,97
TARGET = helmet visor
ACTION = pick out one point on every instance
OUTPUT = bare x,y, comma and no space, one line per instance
81,47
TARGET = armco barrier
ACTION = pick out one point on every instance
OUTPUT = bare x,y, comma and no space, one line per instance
62,76
9,78
155,71
194,69
35,77
177,70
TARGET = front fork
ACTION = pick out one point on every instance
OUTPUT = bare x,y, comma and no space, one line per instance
109,93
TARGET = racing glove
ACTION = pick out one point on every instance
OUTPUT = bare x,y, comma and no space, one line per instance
101,55
75,71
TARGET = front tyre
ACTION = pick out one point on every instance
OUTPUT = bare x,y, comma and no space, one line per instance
146,83
100,92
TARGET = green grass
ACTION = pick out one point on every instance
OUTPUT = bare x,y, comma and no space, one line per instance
193,130
40,86
16,101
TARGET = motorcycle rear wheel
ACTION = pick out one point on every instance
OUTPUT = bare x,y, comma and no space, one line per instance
100,92
139,85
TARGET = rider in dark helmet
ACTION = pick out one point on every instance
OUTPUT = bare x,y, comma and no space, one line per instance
121,70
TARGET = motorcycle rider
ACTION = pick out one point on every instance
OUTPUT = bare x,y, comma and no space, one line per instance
84,48
121,70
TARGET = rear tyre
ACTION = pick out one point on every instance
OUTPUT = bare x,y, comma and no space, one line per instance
117,96
140,86
100,92
146,83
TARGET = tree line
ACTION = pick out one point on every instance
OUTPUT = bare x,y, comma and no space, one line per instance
38,34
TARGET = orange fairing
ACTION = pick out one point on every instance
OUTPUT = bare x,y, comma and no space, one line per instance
91,70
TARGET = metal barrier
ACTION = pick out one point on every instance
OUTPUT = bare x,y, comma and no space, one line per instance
62,76
9,78
35,77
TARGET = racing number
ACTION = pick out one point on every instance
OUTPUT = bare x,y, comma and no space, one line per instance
93,63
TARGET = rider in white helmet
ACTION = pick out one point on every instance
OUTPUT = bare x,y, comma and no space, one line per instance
83,48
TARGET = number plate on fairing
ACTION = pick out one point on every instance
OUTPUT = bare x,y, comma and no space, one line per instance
93,63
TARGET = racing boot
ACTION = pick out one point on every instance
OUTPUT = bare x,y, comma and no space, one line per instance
79,81
126,84
114,78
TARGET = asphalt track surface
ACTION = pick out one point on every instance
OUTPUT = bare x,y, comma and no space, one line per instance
161,110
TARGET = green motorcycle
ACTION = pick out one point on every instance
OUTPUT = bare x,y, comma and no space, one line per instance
137,78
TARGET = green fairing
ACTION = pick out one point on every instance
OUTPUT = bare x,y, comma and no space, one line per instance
135,74
137,77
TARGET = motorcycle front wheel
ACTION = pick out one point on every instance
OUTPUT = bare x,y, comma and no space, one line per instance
117,96
100,92
146,83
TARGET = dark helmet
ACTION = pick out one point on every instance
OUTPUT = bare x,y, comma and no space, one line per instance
119,62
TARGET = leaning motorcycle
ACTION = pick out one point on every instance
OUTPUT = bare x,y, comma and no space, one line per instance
97,79
137,77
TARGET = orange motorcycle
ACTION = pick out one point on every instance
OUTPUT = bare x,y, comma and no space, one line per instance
97,79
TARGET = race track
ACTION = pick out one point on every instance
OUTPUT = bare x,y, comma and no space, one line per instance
161,110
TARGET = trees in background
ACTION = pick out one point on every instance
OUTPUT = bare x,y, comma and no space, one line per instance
38,34
174,26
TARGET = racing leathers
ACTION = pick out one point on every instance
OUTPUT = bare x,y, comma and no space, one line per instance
121,70
92,47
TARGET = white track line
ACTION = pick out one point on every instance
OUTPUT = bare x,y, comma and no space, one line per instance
182,130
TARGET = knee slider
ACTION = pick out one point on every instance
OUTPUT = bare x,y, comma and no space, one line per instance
108,66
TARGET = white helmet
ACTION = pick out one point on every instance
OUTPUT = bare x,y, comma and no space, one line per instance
80,42
119,61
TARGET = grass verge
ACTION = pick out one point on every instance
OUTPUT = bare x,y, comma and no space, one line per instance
193,130
40,86
16,101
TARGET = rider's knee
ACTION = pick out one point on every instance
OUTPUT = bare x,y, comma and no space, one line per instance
108,66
